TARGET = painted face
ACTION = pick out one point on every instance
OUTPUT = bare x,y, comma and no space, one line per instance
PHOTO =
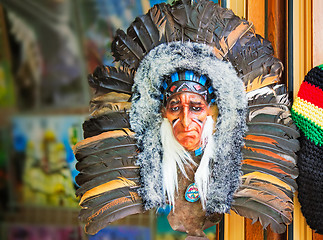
187,114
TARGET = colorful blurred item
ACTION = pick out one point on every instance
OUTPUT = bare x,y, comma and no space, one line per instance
48,181
47,59
48,165
122,233
36,232
7,93
4,161
307,112
121,158
100,19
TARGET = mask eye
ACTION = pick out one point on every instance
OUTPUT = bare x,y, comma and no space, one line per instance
174,109
196,109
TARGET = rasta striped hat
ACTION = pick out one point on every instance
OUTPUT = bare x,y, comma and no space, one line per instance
307,113
307,110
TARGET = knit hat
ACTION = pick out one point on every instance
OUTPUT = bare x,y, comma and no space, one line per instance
307,113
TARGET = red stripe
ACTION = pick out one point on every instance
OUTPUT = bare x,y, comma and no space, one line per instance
311,94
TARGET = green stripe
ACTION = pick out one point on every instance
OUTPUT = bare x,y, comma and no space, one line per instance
320,66
311,130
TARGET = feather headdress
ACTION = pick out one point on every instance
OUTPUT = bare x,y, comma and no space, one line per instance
200,36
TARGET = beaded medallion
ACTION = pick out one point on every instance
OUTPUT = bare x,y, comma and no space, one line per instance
192,193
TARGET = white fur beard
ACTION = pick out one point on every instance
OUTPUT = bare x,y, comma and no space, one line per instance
175,155
202,174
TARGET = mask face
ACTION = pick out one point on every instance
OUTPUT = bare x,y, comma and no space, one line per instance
187,114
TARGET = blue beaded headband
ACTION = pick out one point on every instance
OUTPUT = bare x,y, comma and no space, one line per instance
187,81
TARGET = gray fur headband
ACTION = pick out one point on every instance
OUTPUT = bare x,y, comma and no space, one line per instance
146,118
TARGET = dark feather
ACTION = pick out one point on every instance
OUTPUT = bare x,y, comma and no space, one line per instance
259,165
267,108
246,168
95,225
205,26
255,63
257,211
263,180
285,146
109,102
108,122
102,167
91,179
268,188
269,94
269,200
270,109
139,34
108,196
105,141
112,201
105,157
107,147
126,50
199,26
145,32
163,19
283,118
291,156
112,97
289,145
112,158
275,129
273,115
284,160
281,163
88,166
107,199
282,95
87,213
108,108
106,178
107,79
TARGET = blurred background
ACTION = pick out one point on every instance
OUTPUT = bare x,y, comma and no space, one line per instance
47,49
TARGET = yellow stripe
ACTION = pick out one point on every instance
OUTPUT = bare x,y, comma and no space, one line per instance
234,226
265,177
302,42
238,7
309,110
109,186
301,230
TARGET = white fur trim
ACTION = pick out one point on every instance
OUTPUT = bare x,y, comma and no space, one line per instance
145,120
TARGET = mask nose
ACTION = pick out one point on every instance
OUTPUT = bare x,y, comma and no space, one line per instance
186,120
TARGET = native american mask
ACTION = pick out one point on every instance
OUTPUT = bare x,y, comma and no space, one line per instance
187,98
190,62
